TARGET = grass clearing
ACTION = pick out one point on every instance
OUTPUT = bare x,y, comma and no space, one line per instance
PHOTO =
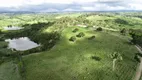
97,17
87,57
73,60
3,44
9,71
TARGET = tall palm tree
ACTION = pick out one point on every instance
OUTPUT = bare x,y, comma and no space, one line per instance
115,56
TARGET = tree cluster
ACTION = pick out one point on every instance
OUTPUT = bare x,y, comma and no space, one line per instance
136,36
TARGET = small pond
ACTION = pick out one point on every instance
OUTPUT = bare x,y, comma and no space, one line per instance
21,44
12,28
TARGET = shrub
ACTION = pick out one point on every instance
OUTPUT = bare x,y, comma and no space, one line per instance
99,29
96,58
1,39
139,54
121,21
136,36
1,60
9,26
5,46
0,32
123,31
81,34
131,31
75,30
137,58
91,38
73,38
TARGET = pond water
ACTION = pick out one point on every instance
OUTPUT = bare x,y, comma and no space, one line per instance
13,28
21,44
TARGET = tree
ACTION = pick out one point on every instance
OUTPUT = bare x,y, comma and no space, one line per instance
121,21
0,32
73,38
137,58
75,30
9,26
91,38
123,31
99,29
115,56
81,34
136,36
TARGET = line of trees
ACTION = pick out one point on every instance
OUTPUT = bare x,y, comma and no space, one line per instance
136,36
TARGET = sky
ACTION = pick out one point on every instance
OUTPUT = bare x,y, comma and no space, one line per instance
69,5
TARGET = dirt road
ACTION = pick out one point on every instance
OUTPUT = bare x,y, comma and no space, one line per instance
139,68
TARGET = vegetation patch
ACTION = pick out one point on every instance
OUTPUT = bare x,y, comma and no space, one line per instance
73,39
137,58
46,40
121,21
3,44
115,56
139,54
75,30
99,29
123,31
81,34
136,36
96,58
67,61
92,38
9,71
86,60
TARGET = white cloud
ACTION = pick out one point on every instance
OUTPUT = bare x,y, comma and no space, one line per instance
103,7
135,6
69,9
10,3
70,5
49,10
34,2
90,8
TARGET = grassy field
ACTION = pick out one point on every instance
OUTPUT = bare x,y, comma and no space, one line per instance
21,19
3,48
96,19
72,15
110,21
83,59
9,71
75,60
